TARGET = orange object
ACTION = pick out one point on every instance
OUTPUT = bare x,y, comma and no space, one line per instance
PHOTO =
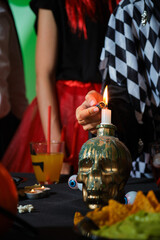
8,198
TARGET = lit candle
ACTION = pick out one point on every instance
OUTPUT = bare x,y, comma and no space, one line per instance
105,112
33,193
43,188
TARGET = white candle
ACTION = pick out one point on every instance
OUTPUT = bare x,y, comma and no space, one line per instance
105,112
106,116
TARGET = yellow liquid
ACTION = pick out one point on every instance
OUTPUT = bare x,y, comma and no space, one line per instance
47,167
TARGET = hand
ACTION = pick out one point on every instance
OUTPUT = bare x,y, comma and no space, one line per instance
87,114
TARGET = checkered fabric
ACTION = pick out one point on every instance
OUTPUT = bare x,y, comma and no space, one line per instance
131,57
141,167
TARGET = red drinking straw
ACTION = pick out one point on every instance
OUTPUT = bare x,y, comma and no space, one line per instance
49,129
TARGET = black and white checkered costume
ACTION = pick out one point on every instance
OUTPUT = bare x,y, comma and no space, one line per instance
131,57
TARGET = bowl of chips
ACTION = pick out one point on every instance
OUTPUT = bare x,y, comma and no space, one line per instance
140,220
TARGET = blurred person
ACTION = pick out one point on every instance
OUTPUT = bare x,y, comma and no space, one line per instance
13,101
130,66
70,36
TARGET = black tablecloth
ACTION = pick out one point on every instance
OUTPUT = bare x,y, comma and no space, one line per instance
53,215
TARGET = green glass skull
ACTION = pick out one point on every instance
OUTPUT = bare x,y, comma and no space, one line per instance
104,167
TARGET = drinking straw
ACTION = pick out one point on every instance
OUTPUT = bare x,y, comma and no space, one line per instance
49,129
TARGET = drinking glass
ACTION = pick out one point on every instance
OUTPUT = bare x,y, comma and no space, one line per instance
47,165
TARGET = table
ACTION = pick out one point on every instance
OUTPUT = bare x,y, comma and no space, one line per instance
53,215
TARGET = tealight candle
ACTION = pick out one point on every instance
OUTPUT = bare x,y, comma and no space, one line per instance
37,191
45,190
34,193
42,188
105,112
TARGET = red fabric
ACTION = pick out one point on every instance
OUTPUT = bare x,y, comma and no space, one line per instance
71,94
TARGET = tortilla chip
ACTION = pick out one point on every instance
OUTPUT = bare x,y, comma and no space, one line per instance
100,215
152,198
117,211
141,202
77,217
157,208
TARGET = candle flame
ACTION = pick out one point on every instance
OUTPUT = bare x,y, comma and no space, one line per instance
32,190
105,95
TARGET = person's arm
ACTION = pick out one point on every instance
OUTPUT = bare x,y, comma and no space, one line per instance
46,55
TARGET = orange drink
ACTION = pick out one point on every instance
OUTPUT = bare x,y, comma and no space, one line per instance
47,166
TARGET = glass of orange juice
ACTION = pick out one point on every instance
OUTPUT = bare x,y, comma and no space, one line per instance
47,165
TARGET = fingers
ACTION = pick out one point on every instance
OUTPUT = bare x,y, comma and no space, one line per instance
94,131
83,113
92,98
93,120
87,114
90,127
88,119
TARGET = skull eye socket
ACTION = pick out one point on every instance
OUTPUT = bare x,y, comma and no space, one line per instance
86,165
107,165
